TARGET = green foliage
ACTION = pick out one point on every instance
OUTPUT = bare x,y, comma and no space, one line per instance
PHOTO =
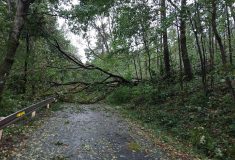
120,95
128,43
143,94
12,103
140,95
199,99
205,122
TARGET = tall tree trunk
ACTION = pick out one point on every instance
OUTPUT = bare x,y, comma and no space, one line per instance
26,63
212,52
136,72
183,42
147,50
203,70
139,61
217,36
104,38
229,36
166,53
161,69
22,7
232,12
180,57
140,67
221,47
10,4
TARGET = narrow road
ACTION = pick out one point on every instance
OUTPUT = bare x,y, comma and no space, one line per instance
88,132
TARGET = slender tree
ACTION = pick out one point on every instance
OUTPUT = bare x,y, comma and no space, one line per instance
165,39
221,46
183,41
27,41
22,7
229,36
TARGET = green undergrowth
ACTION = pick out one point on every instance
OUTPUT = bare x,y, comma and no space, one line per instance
207,123
12,103
92,94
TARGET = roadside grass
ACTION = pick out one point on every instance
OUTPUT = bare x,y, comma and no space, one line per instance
162,138
188,120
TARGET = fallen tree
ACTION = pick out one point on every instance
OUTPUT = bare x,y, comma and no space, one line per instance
72,58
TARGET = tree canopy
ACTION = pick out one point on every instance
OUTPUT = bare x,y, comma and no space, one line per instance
177,49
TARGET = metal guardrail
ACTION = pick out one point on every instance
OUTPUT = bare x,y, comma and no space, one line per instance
26,111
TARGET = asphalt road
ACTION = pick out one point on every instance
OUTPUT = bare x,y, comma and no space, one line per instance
88,132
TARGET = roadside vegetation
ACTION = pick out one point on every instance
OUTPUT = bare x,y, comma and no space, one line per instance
168,64
204,123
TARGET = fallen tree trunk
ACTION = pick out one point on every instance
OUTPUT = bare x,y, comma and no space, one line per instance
72,58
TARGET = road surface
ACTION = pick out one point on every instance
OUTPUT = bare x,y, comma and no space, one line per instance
88,132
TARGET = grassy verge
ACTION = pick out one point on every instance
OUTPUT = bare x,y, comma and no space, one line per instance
187,119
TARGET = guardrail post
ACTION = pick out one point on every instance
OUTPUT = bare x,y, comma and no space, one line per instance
33,114
1,118
48,106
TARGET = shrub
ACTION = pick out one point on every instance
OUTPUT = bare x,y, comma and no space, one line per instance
120,96
11,104
138,95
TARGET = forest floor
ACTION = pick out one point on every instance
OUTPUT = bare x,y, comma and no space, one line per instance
87,132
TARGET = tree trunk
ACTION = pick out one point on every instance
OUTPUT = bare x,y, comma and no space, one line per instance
229,36
180,57
10,4
221,47
140,67
165,40
183,42
148,58
135,66
26,63
212,52
22,7
233,13
139,62
161,69
203,70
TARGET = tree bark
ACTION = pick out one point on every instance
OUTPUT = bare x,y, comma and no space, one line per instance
166,53
22,7
101,31
147,50
203,69
212,52
183,42
10,4
26,62
229,36
180,57
221,47
135,66
232,12
139,61
140,66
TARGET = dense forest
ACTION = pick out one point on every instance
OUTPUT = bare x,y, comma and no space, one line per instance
169,64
